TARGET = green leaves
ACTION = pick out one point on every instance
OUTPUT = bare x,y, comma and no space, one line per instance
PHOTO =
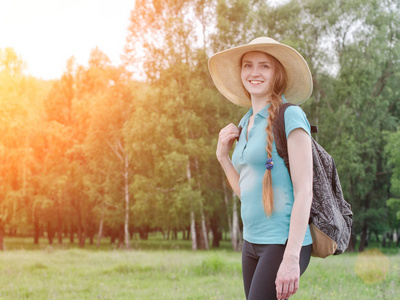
73,145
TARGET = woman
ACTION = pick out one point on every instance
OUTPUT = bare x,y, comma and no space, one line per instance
275,206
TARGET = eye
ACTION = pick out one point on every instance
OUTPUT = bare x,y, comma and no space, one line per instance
246,65
266,66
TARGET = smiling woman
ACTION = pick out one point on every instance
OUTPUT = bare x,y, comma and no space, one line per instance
46,33
275,207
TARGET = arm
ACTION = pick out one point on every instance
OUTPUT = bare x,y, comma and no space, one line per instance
226,138
301,168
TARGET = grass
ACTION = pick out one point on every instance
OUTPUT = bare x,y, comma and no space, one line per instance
154,273
81,274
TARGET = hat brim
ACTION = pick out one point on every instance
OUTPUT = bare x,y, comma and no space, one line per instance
224,68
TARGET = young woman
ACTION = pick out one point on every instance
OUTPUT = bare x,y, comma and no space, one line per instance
275,206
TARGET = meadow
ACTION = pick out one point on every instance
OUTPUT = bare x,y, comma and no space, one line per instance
158,269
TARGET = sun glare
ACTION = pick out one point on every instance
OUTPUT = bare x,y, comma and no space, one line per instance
45,33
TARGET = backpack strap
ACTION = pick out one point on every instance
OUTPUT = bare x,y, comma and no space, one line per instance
280,134
314,129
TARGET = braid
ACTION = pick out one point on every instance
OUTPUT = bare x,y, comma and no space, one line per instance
268,193
278,85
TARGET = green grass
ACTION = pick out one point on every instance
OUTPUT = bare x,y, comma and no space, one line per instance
153,273
82,274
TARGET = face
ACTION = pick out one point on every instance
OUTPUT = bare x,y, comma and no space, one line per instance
256,74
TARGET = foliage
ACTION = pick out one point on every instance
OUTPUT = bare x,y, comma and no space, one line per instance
392,152
97,152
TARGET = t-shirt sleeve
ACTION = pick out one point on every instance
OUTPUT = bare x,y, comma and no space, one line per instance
296,118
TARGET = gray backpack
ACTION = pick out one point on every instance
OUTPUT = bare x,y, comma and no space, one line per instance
331,217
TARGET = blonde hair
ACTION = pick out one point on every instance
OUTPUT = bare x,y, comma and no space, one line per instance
277,86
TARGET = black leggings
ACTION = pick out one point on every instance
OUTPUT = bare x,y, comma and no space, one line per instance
260,264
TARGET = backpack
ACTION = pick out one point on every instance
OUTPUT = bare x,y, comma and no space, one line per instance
331,217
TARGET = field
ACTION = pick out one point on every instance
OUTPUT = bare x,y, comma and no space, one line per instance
169,270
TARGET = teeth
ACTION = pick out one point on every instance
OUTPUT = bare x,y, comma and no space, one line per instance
255,81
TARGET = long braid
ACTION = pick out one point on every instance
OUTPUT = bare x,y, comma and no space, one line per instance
268,193
278,85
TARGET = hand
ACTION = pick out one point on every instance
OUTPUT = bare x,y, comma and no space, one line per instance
287,278
227,136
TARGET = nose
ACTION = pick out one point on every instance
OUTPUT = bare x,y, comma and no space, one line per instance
255,72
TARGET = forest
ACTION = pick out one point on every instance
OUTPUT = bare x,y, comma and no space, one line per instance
124,151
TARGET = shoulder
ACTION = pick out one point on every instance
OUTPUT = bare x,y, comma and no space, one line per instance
294,111
245,117
295,118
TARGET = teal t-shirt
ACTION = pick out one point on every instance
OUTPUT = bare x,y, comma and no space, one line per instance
249,158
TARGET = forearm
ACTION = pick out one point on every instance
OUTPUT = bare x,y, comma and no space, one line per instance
301,171
298,223
231,174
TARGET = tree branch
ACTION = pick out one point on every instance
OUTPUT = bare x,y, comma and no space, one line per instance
115,150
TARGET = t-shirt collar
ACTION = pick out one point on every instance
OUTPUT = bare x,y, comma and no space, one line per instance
264,111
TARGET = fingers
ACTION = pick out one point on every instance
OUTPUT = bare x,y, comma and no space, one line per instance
282,288
296,286
229,132
287,278
227,135
286,288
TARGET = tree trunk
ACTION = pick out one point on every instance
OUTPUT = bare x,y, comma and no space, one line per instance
233,222
144,233
352,242
364,234
50,233
226,197
2,247
187,236
193,229
113,238
121,240
81,230
192,219
204,229
236,237
216,232
59,223
36,226
126,225
81,237
199,237
71,233
100,233
119,150
384,240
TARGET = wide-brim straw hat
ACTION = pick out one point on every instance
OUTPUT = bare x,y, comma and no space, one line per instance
225,67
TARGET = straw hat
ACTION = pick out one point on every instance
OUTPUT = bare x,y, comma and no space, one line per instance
224,68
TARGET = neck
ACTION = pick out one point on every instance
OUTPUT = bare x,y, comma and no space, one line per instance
259,103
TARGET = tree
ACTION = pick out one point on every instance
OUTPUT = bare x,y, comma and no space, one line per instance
165,31
392,152
20,106
104,145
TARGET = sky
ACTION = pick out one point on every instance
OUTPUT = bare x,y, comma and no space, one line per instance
46,33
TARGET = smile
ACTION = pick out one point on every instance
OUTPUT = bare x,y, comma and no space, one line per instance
255,81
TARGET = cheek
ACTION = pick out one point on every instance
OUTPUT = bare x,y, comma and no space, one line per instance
243,76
